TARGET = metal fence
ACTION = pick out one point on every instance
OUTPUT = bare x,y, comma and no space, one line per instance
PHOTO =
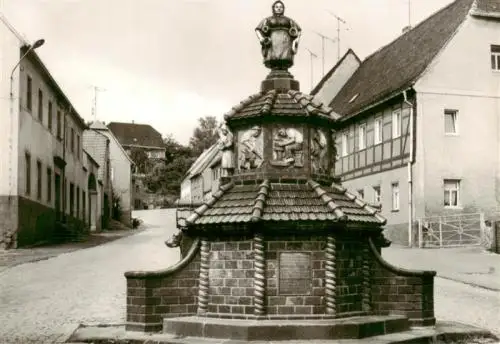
455,231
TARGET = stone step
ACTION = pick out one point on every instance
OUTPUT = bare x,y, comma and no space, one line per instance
452,333
251,330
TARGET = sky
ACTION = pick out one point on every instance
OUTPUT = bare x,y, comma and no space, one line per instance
169,62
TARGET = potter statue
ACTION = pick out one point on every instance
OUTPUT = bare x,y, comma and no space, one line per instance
226,146
279,37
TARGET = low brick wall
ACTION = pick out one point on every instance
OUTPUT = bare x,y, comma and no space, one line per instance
152,296
404,292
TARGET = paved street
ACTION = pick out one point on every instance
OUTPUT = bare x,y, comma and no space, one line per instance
43,302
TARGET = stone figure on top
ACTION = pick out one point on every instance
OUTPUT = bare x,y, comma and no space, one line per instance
279,38
226,145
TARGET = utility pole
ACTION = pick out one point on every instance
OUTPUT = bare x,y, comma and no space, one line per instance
339,20
313,56
94,107
323,37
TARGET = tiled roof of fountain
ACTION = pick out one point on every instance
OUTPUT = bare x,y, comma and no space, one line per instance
289,103
269,201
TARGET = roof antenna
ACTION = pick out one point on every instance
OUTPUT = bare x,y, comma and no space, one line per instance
94,106
339,20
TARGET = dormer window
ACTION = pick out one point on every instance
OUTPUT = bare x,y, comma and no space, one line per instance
354,98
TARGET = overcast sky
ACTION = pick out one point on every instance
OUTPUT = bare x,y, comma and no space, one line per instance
169,62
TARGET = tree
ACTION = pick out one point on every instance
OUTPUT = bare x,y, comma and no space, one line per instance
140,158
205,135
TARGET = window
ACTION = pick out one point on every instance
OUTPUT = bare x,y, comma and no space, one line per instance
29,93
377,131
78,147
395,196
77,202
71,199
396,124
495,57
84,207
59,127
362,136
361,193
72,142
450,122
376,194
40,105
49,185
49,116
27,158
451,192
344,145
38,179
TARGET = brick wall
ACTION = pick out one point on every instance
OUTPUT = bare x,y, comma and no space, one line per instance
400,291
152,296
231,277
308,303
349,264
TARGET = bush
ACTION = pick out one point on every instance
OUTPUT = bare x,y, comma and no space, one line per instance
136,223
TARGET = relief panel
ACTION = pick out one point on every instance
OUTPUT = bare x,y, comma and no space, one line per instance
250,148
288,147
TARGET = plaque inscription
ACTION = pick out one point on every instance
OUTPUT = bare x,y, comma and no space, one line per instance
295,273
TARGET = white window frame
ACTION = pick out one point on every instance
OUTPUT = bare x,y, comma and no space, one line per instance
395,196
454,113
450,186
344,141
377,131
377,194
396,119
495,57
362,137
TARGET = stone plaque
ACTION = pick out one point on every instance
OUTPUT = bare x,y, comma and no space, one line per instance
295,273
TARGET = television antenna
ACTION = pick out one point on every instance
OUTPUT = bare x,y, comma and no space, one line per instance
339,21
94,106
323,37
312,56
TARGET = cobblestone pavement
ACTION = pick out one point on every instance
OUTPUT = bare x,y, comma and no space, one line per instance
43,302
11,258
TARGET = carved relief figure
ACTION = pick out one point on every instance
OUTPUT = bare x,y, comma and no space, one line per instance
279,38
226,146
319,150
288,147
251,149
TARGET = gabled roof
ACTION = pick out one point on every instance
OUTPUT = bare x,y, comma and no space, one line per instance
306,201
328,75
102,129
398,65
487,8
136,134
207,158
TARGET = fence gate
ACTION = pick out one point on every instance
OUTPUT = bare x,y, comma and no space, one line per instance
452,230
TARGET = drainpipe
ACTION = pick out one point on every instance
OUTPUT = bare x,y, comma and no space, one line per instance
410,175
